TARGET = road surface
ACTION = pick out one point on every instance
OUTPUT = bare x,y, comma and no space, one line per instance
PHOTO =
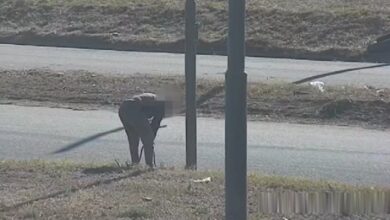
120,62
345,154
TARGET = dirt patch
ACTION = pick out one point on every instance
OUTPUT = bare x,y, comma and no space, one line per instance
367,107
41,190
324,30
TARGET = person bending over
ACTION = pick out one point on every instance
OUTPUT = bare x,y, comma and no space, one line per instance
141,117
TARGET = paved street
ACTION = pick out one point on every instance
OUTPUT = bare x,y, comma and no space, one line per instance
258,69
346,154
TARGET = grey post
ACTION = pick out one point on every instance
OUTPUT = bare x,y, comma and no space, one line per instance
235,114
191,34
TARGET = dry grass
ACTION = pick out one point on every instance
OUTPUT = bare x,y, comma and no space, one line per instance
276,101
30,189
335,29
293,5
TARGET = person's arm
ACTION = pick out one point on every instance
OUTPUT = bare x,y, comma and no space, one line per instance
158,115
152,109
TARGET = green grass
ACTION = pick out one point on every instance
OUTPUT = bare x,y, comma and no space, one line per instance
39,166
266,181
135,213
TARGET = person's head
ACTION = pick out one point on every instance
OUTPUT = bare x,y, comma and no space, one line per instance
173,96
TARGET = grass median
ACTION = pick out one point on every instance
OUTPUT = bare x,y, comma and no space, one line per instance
267,101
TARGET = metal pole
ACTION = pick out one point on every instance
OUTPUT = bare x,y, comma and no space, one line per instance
190,75
235,114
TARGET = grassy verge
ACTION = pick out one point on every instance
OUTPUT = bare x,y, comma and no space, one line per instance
63,190
313,29
275,101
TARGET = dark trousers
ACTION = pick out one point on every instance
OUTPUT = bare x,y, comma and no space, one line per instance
137,128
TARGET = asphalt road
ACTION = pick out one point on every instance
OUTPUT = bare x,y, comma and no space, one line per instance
346,154
119,62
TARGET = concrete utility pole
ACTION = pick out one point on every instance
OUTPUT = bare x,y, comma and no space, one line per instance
191,32
235,114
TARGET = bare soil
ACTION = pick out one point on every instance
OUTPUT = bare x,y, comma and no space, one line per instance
308,29
62,190
349,106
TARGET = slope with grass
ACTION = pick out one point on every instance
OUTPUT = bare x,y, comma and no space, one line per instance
313,29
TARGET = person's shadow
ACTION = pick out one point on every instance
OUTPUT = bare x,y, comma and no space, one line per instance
311,78
208,95
379,51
